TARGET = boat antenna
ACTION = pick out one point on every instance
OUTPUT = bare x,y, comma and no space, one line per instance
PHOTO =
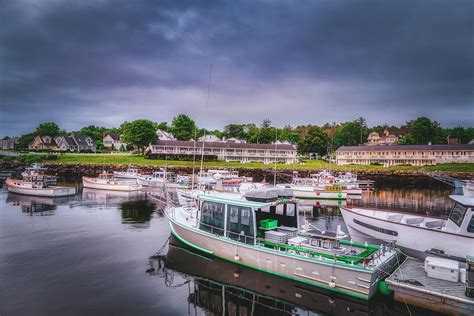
194,157
205,117
275,160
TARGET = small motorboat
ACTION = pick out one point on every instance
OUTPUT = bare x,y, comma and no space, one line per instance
37,186
130,173
468,188
106,181
417,235
35,170
164,178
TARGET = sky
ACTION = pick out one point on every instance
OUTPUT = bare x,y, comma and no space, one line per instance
103,62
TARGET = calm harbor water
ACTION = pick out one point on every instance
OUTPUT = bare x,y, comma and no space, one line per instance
88,255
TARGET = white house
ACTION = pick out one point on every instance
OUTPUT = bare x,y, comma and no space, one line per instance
75,142
243,152
235,140
386,139
164,135
417,155
209,138
113,140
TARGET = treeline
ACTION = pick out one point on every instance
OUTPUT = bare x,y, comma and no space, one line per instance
309,138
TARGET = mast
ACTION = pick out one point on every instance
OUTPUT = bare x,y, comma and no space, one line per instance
205,118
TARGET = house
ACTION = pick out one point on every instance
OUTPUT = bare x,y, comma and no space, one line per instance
8,144
76,142
113,141
209,138
417,155
84,142
386,139
235,140
43,142
164,135
67,143
243,152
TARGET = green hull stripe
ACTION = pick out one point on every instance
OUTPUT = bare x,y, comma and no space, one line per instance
268,272
190,244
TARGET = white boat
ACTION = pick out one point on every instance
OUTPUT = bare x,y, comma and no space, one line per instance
168,178
107,182
468,188
37,186
418,235
130,173
226,177
312,192
35,170
261,231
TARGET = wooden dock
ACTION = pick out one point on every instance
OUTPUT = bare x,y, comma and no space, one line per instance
412,286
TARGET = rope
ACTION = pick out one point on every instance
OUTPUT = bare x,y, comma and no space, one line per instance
159,253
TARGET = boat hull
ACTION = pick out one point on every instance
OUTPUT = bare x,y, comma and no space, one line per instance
45,192
416,241
310,193
113,186
350,280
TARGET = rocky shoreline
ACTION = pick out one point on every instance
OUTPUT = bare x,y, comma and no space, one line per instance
389,177
384,177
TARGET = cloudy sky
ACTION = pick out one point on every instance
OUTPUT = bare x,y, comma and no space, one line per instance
295,62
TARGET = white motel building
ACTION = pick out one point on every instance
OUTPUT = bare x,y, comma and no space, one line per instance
227,151
416,155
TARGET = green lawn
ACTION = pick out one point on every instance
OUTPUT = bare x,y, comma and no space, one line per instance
310,164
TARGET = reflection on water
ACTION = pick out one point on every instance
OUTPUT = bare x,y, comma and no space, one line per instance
224,288
90,257
36,205
422,201
137,213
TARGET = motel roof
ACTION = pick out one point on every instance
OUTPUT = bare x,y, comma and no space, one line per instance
467,147
183,143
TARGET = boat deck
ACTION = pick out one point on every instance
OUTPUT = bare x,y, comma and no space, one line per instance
444,296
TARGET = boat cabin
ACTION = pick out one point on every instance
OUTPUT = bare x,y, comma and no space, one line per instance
106,176
461,218
132,171
244,220
166,176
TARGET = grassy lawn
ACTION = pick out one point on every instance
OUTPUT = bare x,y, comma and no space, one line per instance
310,164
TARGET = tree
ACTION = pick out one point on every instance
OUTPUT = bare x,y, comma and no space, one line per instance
349,134
183,127
234,130
24,141
49,129
424,131
163,126
139,133
315,141
288,134
95,132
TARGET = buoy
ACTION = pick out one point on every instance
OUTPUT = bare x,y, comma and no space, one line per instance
236,274
317,193
332,284
339,195
384,289
236,258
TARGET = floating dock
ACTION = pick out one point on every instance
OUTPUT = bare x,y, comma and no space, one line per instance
412,286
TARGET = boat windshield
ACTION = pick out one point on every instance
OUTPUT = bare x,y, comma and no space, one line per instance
470,227
457,214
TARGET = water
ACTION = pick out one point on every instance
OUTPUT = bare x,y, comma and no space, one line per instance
88,254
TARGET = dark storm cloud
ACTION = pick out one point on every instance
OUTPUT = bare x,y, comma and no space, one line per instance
301,62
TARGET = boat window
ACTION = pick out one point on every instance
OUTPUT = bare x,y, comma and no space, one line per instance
457,214
290,209
265,209
279,209
234,214
245,217
470,227
212,217
240,224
